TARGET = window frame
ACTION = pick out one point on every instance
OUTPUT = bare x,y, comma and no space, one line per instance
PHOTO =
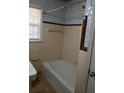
83,34
40,39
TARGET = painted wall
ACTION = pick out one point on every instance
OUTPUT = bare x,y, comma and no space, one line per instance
71,43
57,16
74,14
70,15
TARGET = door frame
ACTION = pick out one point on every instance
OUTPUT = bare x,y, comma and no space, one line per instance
89,70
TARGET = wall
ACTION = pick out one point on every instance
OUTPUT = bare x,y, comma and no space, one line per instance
70,15
57,16
84,58
81,72
71,43
51,47
57,45
74,14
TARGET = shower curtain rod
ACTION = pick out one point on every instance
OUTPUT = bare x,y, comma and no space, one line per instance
67,5
54,15
52,10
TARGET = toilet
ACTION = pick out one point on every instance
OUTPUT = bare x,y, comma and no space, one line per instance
32,74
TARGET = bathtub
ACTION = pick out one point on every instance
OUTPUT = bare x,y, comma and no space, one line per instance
60,75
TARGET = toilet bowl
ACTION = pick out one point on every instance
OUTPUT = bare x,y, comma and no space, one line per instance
32,74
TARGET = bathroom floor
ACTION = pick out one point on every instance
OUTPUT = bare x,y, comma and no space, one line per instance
41,85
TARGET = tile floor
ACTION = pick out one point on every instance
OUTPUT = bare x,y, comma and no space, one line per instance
41,85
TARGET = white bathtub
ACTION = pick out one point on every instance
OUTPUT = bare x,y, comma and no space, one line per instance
61,75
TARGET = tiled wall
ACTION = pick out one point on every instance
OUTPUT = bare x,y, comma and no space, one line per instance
71,44
56,45
51,46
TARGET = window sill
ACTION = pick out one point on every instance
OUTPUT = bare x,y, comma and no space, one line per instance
35,41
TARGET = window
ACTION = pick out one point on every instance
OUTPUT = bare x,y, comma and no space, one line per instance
83,45
34,24
86,31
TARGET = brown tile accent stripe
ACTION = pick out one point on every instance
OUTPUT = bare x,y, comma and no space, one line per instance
72,24
52,23
62,24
